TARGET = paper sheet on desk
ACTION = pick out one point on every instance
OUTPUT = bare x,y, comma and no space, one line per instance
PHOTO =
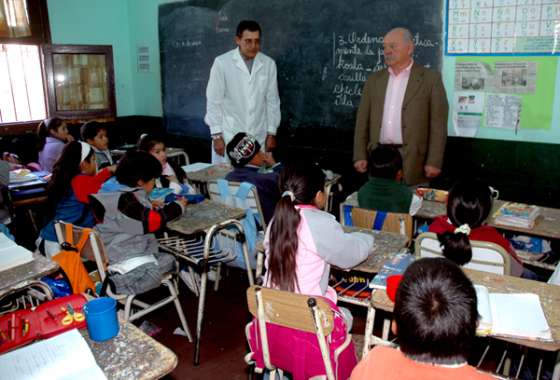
64,357
197,166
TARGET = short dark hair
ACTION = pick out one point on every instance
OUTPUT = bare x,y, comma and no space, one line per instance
136,166
435,311
469,202
385,162
147,141
250,25
90,129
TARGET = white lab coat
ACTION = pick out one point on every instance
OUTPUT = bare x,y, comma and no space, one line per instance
239,101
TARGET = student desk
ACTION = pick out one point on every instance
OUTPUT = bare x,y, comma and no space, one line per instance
27,275
132,355
207,217
548,294
201,177
546,226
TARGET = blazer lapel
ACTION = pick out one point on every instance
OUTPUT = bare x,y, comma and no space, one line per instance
414,82
382,85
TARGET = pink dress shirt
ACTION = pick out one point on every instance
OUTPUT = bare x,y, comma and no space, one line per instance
391,125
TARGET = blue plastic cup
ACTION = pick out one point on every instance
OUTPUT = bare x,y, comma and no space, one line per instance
101,318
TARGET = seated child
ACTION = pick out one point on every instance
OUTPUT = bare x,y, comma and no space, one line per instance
468,205
127,222
303,241
247,159
53,136
95,134
172,176
384,191
74,178
435,319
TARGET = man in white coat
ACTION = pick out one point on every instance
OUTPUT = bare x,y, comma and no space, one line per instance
242,93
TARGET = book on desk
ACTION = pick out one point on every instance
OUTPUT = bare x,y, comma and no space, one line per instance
11,254
517,215
394,266
513,315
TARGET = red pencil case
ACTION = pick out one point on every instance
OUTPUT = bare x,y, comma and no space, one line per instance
24,326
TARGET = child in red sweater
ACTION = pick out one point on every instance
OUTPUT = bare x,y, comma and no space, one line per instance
74,178
468,205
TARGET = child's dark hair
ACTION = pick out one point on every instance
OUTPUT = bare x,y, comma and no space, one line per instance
250,25
136,166
146,143
469,203
436,312
64,170
44,129
90,129
303,181
385,162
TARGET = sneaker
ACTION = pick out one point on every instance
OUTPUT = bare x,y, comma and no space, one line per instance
212,274
191,280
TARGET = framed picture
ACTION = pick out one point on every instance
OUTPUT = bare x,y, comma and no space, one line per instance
80,81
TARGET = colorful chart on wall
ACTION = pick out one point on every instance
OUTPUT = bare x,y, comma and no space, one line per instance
503,27
508,93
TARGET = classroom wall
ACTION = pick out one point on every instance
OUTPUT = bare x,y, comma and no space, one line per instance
99,22
128,24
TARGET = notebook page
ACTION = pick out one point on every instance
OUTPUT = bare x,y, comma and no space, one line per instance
483,308
65,356
196,167
519,315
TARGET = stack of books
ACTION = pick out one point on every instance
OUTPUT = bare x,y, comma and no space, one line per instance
517,215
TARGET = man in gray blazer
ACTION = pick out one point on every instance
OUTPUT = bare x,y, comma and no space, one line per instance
404,106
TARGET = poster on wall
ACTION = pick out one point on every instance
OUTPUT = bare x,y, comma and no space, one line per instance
468,109
503,27
503,111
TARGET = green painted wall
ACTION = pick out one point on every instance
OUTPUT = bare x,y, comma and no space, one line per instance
98,22
127,24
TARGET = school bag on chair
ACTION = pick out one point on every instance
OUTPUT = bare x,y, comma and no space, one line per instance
70,260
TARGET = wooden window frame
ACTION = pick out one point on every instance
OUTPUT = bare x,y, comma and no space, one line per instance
48,73
39,24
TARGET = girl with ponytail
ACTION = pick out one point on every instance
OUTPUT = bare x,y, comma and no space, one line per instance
302,241
53,136
468,205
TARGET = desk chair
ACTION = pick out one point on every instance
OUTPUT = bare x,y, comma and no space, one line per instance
179,153
486,257
94,250
274,311
377,220
244,197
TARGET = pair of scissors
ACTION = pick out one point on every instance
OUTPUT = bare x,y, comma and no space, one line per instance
71,315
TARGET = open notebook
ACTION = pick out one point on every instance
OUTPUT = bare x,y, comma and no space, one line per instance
64,357
516,315
11,254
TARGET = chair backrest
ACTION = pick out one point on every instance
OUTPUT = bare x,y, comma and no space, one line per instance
93,250
251,201
377,220
486,256
290,309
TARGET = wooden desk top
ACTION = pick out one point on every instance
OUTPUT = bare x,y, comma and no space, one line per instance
547,224
385,246
201,216
23,275
548,294
210,173
132,355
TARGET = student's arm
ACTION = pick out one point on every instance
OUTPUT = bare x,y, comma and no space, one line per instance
152,220
215,95
85,185
335,246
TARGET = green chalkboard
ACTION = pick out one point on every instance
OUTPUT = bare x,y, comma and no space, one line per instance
324,51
